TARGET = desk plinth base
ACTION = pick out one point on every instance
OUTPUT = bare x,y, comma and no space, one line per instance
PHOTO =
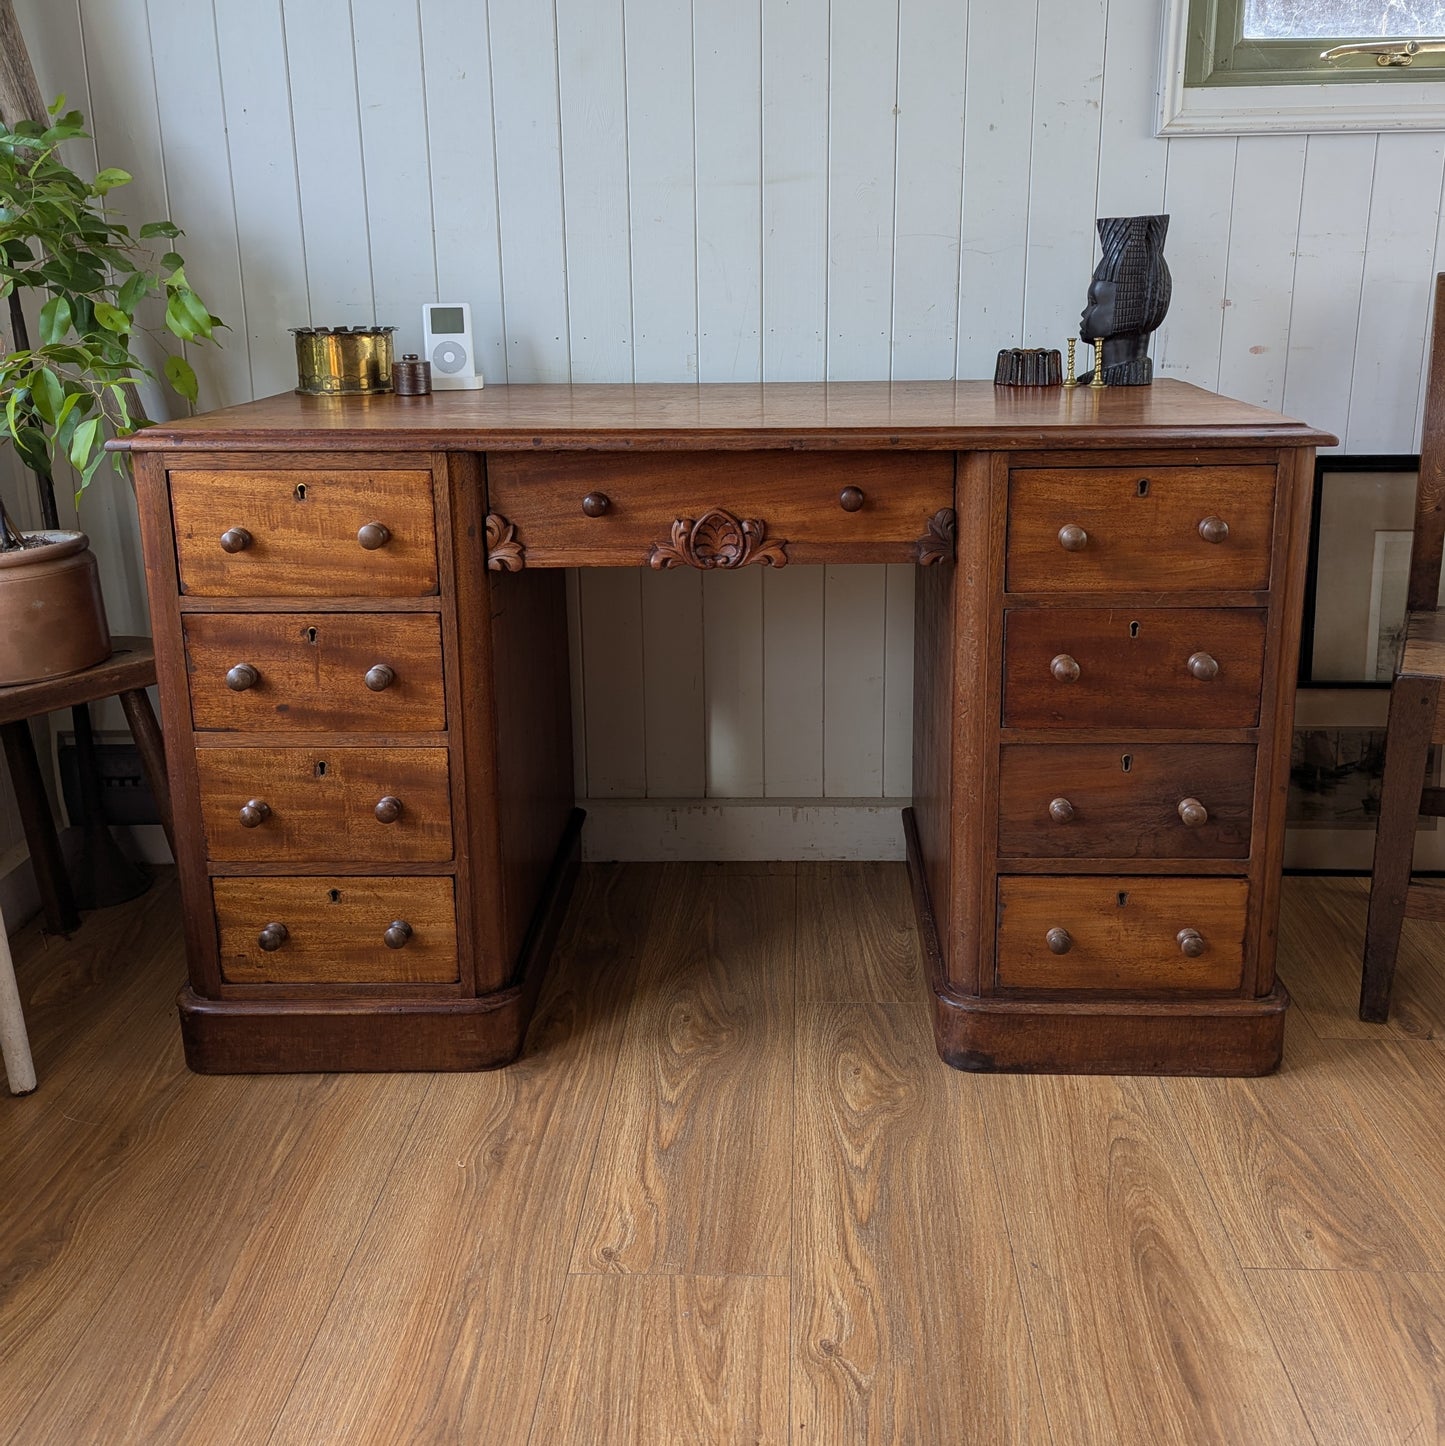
1234,1037
302,1036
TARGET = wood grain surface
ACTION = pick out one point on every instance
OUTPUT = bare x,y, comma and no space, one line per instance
860,943
1123,933
292,1259
335,928
313,669
1134,1297
1141,527
900,1243
790,415
303,527
1133,667
692,1175
1124,800
796,497
681,1358
322,803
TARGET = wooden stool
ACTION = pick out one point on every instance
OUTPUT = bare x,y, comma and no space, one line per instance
14,1042
130,669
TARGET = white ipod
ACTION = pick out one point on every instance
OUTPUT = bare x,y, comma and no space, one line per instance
447,344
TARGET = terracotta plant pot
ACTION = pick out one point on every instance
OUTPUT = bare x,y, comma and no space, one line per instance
52,620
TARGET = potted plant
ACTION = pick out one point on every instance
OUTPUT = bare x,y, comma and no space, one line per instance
62,396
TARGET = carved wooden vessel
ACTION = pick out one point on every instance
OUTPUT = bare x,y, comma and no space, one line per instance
361,639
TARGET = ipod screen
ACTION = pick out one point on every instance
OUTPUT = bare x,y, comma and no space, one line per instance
446,320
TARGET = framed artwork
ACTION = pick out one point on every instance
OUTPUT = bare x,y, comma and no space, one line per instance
1337,766
1359,565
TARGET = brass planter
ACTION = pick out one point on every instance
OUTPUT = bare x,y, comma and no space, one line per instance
343,361
52,619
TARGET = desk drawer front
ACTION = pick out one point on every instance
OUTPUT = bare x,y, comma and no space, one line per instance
1115,933
1133,668
798,496
346,804
335,930
305,533
1101,800
1161,529
310,671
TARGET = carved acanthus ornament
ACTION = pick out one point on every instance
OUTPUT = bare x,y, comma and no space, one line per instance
504,552
936,545
717,539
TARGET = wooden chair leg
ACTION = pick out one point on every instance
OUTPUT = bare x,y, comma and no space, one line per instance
1413,703
14,1042
151,746
56,897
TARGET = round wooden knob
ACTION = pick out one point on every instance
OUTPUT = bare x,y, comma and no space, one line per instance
387,809
397,934
241,677
1064,669
595,504
255,813
1203,667
1061,810
373,535
850,499
272,937
1060,941
235,539
1072,537
1193,812
380,678
1214,529
1191,943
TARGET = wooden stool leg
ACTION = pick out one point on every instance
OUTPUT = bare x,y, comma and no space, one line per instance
1412,720
56,897
14,1042
151,746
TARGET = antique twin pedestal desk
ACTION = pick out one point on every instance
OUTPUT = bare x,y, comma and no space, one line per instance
361,635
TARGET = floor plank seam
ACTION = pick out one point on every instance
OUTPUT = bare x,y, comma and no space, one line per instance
324,1315
1013,1253
632,968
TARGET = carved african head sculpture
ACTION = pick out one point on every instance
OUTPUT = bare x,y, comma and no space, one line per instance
1128,297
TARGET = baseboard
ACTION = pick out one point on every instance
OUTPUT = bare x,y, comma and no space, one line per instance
652,829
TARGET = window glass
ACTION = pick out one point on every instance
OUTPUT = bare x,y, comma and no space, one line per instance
1333,19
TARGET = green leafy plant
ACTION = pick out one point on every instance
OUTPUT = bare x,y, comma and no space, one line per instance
63,395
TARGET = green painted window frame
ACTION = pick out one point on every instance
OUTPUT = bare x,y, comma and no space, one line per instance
1217,54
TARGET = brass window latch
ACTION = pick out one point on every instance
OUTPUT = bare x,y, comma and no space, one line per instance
1386,52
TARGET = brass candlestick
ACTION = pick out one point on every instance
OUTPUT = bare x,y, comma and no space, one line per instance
1070,380
1097,380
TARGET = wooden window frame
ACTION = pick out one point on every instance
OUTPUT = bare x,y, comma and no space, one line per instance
1212,82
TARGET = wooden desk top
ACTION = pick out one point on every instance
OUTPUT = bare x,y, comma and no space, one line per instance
964,416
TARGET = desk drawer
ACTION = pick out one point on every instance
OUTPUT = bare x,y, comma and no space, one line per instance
1116,933
387,805
335,930
1133,668
305,533
799,497
1155,529
1122,801
298,671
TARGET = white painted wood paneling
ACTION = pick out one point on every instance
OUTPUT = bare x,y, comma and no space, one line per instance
1268,182
789,189
997,139
795,189
326,120
527,140
392,109
862,155
1328,273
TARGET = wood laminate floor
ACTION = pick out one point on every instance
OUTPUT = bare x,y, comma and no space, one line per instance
729,1195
